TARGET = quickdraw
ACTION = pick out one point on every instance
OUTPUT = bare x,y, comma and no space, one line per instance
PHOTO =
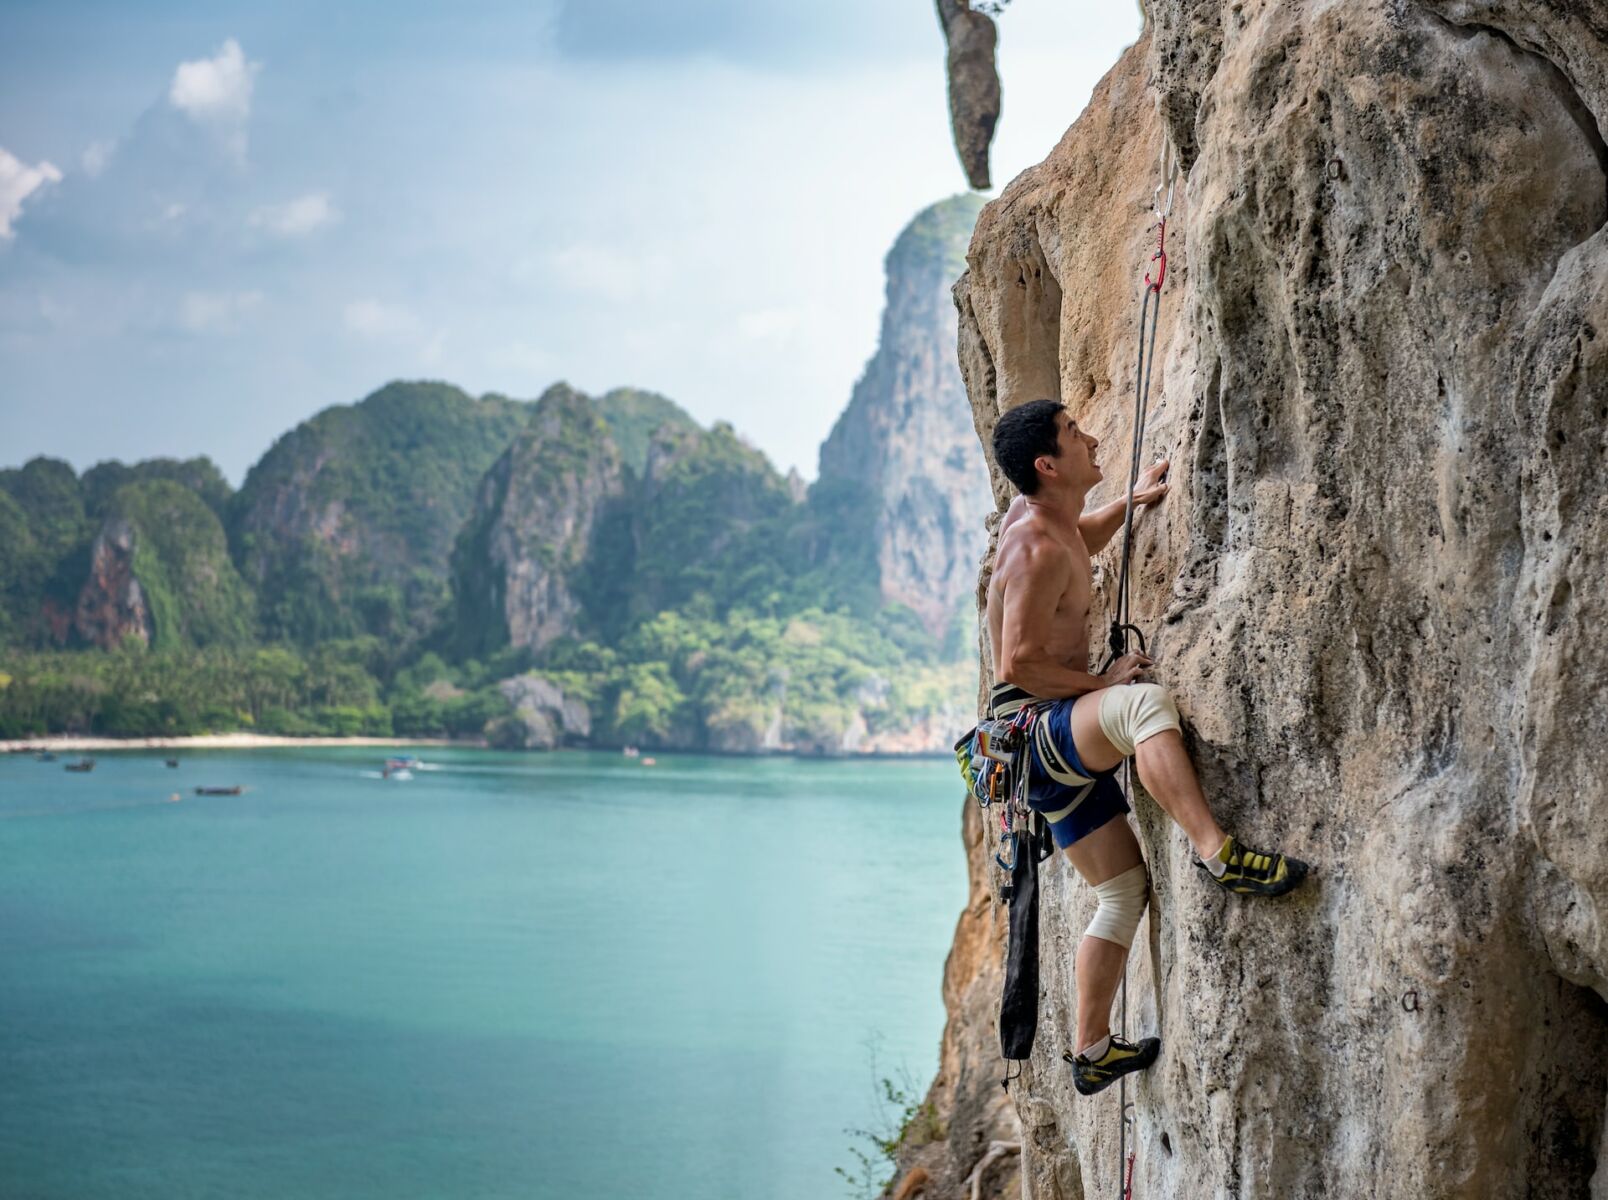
994,762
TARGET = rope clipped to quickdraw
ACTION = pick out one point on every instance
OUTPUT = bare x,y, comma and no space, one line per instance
1121,626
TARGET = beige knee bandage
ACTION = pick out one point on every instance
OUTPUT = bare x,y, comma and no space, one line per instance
1131,712
1122,902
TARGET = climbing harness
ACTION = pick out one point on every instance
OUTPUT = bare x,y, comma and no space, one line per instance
1121,625
996,762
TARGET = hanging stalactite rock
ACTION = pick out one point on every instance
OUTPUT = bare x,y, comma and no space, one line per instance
974,94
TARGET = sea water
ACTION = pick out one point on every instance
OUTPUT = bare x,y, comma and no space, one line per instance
566,975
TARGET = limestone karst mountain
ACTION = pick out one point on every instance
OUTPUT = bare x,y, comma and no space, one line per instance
902,457
579,530
124,552
519,560
629,575
345,525
1376,589
159,572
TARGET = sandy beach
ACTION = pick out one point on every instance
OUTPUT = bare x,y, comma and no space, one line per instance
207,741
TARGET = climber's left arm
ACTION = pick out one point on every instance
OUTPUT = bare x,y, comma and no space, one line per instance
1098,526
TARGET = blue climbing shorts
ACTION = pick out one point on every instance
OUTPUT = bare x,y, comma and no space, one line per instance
1073,801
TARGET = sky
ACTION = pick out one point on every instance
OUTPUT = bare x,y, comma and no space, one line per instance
218,218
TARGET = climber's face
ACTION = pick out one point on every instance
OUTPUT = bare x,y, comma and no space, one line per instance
1076,458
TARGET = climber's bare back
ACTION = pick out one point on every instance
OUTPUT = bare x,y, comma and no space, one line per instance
1032,554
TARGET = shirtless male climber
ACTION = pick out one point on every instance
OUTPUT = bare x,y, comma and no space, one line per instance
1038,613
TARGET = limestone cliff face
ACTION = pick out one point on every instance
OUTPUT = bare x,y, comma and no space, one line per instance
1376,589
518,558
905,444
159,572
111,606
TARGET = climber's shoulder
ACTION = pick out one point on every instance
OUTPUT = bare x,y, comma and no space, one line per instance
1032,546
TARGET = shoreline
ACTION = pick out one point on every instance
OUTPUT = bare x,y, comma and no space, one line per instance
74,743
56,742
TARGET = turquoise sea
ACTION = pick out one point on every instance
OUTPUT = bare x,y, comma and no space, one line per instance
565,975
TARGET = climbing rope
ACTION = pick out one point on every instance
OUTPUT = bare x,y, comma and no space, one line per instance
1121,626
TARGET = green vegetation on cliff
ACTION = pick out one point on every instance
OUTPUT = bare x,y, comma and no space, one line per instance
181,561
634,417
937,239
44,528
199,475
346,525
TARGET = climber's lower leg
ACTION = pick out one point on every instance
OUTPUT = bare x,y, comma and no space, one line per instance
1169,776
1107,859
1139,719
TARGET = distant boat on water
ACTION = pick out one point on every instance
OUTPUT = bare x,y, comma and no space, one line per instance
630,752
401,767
220,791
83,764
45,756
172,762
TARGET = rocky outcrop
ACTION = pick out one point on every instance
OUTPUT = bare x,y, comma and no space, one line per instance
1376,589
111,606
159,572
517,561
900,467
544,718
974,93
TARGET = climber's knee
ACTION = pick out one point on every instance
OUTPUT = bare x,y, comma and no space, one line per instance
1131,712
1121,903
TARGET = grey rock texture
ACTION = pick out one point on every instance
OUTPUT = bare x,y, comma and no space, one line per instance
974,92
111,604
517,560
544,717
1376,589
906,440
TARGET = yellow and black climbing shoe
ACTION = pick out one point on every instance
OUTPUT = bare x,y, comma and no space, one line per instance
1253,872
1121,1058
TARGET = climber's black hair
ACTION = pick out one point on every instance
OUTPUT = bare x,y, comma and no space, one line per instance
1024,433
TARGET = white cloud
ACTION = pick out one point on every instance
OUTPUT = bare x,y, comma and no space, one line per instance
216,312
769,324
95,157
376,319
18,181
521,358
298,217
435,349
216,93
610,272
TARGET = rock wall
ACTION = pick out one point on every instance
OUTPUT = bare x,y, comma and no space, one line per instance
1376,589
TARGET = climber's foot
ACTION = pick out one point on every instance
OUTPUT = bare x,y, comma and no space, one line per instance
1121,1058
1253,872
